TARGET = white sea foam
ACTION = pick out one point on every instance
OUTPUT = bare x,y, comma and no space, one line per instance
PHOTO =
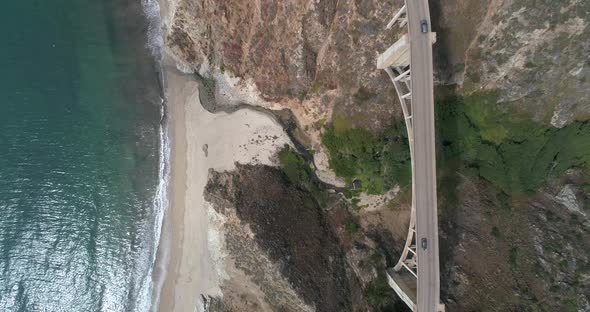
149,294
155,39
148,297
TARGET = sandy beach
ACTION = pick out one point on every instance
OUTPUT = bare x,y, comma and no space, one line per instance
200,141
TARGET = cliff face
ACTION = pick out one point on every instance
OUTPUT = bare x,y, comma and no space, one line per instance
282,47
503,250
517,255
533,53
285,253
315,58
287,226
517,252
309,56
509,250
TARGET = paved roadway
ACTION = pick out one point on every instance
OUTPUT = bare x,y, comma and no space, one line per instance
428,292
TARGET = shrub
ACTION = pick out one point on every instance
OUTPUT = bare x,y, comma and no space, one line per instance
377,291
350,226
513,257
363,95
315,87
294,166
507,148
299,173
378,162
495,232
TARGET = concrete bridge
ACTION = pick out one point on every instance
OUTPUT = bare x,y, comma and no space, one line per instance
408,62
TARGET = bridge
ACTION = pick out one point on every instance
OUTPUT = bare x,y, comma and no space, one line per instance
408,62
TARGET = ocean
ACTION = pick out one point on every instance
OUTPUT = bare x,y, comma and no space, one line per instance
83,154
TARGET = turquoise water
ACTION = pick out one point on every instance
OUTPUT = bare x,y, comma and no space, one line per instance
79,140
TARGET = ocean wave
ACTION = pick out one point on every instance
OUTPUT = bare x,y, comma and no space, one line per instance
155,39
149,294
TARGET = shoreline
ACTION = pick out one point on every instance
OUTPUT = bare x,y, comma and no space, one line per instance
191,261
173,253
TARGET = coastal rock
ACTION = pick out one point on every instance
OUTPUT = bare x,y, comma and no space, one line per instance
278,242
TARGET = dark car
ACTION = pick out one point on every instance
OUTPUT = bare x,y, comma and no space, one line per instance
423,243
424,26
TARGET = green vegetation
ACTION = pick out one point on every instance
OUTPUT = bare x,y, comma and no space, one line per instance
294,166
377,291
299,173
315,87
302,96
363,94
506,148
474,137
341,124
495,232
513,257
381,297
207,92
572,305
377,162
351,226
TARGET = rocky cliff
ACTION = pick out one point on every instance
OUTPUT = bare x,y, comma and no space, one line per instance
508,249
513,148
533,53
287,253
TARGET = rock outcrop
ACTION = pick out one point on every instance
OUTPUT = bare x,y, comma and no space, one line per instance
283,251
274,229
317,59
517,255
533,54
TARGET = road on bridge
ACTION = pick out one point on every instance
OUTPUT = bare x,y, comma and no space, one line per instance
428,290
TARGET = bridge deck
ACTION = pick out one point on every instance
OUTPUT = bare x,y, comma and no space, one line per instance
421,292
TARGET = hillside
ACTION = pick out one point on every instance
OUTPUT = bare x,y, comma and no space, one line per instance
513,150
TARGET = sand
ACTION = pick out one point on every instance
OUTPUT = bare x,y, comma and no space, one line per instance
201,140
